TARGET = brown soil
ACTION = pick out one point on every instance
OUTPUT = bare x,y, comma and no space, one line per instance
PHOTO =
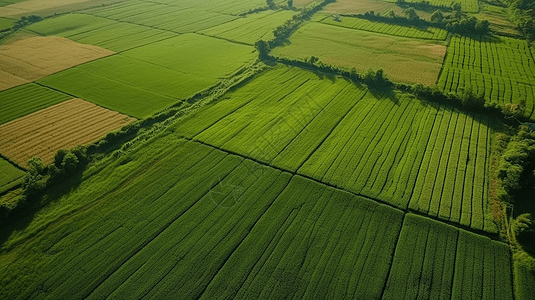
62,126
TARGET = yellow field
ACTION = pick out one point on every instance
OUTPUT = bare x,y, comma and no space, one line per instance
402,59
36,57
62,126
356,6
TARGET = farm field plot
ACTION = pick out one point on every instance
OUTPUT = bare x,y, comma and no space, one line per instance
233,7
387,147
252,28
25,99
196,54
356,6
162,16
205,207
33,6
438,261
429,33
6,23
201,223
61,126
9,175
499,68
469,6
108,34
402,59
37,57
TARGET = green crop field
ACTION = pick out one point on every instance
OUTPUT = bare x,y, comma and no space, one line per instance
252,28
226,226
429,33
402,59
25,99
145,80
267,149
500,68
112,35
163,16
6,23
438,261
9,175
387,147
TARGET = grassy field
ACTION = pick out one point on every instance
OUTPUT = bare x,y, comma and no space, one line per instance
402,59
227,226
499,68
6,23
388,147
108,34
429,33
232,7
357,6
252,28
9,175
22,100
61,126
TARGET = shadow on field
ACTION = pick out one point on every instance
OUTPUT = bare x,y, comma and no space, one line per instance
22,216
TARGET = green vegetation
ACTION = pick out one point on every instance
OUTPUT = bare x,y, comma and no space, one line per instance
163,16
156,77
25,99
430,33
469,6
402,59
438,261
6,24
336,132
500,69
112,35
252,28
10,176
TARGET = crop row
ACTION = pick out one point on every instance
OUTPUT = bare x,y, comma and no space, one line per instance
232,7
428,158
25,99
109,34
438,261
166,17
430,33
470,6
501,69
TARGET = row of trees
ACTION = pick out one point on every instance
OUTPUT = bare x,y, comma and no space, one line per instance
453,21
522,13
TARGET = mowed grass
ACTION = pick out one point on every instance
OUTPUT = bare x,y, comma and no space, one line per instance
388,147
26,99
252,28
109,34
499,68
402,59
232,7
429,33
162,16
228,228
10,175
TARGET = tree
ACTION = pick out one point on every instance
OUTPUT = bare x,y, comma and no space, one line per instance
437,16
271,4
290,3
411,14
263,48
391,14
457,7
70,163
